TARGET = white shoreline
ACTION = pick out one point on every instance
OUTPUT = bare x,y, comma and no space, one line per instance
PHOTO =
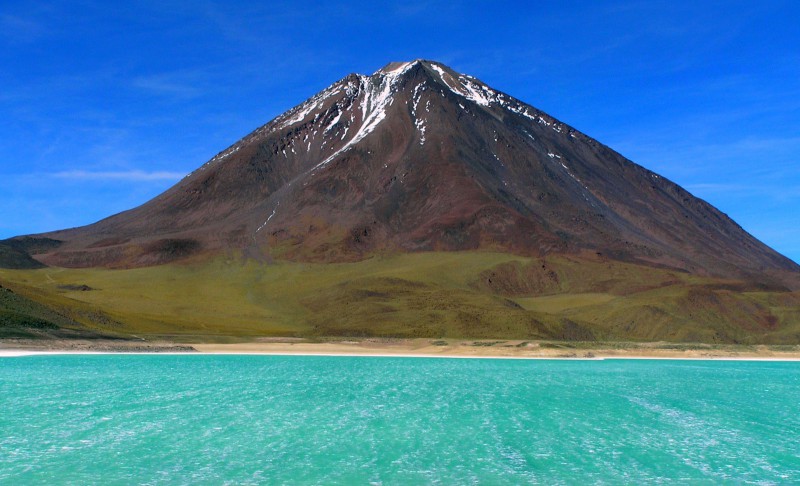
24,353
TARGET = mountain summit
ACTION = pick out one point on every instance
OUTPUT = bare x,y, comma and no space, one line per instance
417,157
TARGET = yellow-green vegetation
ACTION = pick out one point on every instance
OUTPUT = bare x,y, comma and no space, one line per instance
480,295
27,318
558,303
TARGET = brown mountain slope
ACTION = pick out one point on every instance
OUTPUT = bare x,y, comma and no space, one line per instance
418,157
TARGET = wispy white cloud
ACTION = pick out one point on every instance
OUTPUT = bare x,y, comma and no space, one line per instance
128,176
20,29
744,158
181,84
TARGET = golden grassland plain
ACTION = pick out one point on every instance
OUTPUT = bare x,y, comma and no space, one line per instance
439,295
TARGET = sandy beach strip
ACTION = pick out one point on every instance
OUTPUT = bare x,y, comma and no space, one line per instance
410,348
468,350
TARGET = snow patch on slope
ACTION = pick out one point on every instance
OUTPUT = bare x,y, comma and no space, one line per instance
587,192
419,122
470,88
377,98
478,93
300,113
333,122
466,87
269,217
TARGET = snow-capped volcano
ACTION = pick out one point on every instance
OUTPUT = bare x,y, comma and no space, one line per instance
417,157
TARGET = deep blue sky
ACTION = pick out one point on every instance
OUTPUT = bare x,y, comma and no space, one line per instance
104,106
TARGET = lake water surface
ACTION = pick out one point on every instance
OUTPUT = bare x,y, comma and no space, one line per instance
178,419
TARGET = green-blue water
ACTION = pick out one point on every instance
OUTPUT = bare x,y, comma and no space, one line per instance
117,419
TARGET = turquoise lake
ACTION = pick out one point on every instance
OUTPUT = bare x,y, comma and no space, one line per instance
202,419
